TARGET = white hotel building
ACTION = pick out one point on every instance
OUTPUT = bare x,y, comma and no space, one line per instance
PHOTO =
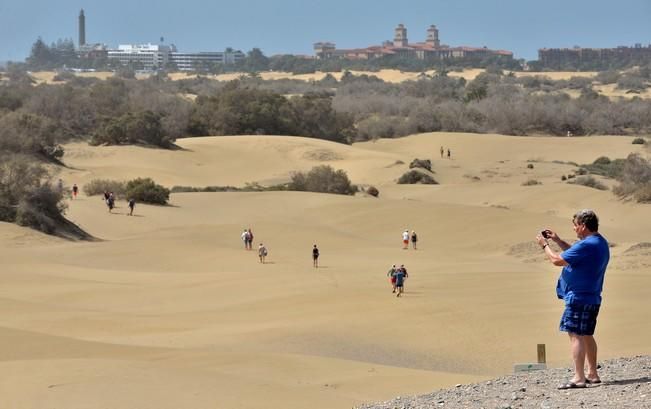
155,56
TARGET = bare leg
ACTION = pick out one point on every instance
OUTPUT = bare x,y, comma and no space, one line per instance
577,343
591,357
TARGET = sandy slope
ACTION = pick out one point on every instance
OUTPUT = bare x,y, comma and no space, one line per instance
169,311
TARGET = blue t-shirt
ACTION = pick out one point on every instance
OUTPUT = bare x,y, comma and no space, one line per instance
582,280
400,277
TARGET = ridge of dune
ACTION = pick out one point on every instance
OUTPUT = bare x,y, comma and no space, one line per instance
169,304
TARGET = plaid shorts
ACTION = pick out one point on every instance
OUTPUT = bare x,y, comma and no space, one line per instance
580,319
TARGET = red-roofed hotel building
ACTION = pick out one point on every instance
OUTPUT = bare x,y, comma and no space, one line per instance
431,49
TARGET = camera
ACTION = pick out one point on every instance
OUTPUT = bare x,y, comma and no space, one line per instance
545,233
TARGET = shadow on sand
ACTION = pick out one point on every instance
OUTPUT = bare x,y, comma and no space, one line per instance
644,379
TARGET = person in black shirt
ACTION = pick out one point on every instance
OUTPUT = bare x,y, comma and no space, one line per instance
315,256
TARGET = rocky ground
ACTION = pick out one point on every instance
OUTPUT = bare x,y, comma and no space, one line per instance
626,384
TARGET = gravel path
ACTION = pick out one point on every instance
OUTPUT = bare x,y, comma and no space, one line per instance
626,384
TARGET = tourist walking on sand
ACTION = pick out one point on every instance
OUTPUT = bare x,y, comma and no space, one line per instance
262,252
414,239
401,275
110,202
315,256
405,239
75,190
245,239
449,154
442,151
132,203
392,277
579,286
249,239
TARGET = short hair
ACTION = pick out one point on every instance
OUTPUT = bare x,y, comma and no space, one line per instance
588,218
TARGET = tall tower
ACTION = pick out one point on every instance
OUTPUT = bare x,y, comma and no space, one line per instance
82,28
400,38
433,37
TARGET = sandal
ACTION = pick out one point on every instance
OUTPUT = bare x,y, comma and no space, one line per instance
572,385
593,381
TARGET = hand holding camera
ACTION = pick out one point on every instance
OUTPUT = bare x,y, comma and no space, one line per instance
543,236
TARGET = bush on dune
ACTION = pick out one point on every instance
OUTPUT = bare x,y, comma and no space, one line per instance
323,179
18,176
144,190
147,191
140,128
421,163
635,179
604,166
99,186
29,199
415,176
30,134
588,181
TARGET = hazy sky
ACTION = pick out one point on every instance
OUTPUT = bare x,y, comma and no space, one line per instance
292,26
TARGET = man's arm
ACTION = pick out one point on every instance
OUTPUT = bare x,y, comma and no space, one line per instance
554,257
561,243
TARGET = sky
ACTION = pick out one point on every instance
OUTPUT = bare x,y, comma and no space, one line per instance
293,26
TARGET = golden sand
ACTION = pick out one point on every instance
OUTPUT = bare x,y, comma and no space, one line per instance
170,311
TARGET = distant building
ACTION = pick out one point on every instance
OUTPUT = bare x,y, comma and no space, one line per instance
88,51
82,28
92,51
143,56
577,56
431,49
324,50
152,57
193,61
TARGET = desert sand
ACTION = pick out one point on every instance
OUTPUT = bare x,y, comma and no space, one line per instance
388,75
167,310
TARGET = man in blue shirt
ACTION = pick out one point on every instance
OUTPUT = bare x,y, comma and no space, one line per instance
579,285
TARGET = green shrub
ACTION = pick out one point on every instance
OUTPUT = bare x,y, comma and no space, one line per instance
531,182
41,208
530,166
415,176
99,186
193,189
373,191
643,193
639,141
29,199
143,127
563,178
421,163
248,187
64,76
635,179
602,160
589,181
147,191
31,135
322,179
603,166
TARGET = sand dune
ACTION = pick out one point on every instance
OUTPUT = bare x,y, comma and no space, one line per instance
168,310
388,75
